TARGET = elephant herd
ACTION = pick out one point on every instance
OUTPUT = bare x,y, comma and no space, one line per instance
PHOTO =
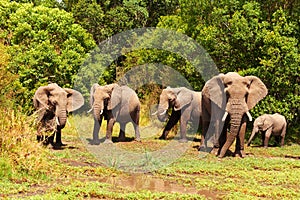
222,106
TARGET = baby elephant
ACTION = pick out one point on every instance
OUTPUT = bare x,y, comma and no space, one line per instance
270,124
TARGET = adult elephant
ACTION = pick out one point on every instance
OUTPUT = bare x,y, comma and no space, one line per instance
116,104
227,98
186,105
53,103
271,125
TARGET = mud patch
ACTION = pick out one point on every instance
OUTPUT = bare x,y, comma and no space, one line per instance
76,163
146,182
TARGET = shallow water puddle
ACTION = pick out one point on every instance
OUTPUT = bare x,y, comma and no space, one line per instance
146,182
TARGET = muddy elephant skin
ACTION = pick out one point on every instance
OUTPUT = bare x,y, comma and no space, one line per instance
53,104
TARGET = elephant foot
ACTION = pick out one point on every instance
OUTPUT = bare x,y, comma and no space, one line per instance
108,141
183,140
162,137
215,151
58,144
138,139
121,139
220,156
205,149
240,153
95,142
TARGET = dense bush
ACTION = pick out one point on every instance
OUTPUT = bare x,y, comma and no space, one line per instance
45,46
49,41
19,155
252,39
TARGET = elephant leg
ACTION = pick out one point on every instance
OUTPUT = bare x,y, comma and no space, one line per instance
184,118
97,125
58,141
263,136
109,129
221,141
277,139
205,125
40,138
282,141
137,132
283,135
137,126
122,132
174,118
48,139
267,137
183,125
239,145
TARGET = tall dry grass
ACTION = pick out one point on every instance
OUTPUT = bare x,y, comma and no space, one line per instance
20,154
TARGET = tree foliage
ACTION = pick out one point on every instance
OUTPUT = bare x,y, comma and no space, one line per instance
49,40
45,46
253,38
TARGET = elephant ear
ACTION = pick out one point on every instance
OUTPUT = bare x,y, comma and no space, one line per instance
257,91
92,92
214,90
75,99
41,96
184,97
115,98
267,123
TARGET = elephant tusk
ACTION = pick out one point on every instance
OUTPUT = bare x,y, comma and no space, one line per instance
155,113
224,116
90,110
163,112
68,122
249,116
101,112
57,122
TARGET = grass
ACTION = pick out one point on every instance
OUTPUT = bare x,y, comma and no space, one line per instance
77,171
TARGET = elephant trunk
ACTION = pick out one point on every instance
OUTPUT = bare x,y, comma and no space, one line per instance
98,111
236,108
252,136
162,113
61,118
234,130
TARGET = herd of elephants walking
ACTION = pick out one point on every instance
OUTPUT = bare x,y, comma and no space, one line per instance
223,104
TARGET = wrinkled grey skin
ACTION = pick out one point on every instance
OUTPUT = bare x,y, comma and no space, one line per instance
53,104
116,104
186,105
227,99
271,125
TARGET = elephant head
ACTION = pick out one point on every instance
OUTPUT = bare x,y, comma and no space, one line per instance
58,101
235,95
173,97
262,123
104,98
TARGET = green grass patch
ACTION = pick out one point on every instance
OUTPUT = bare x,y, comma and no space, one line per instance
74,172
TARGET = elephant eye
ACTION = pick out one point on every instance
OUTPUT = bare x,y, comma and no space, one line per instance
228,83
247,84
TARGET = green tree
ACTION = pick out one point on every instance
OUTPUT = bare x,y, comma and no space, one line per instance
45,46
253,38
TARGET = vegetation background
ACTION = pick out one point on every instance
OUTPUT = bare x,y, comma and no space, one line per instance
44,41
